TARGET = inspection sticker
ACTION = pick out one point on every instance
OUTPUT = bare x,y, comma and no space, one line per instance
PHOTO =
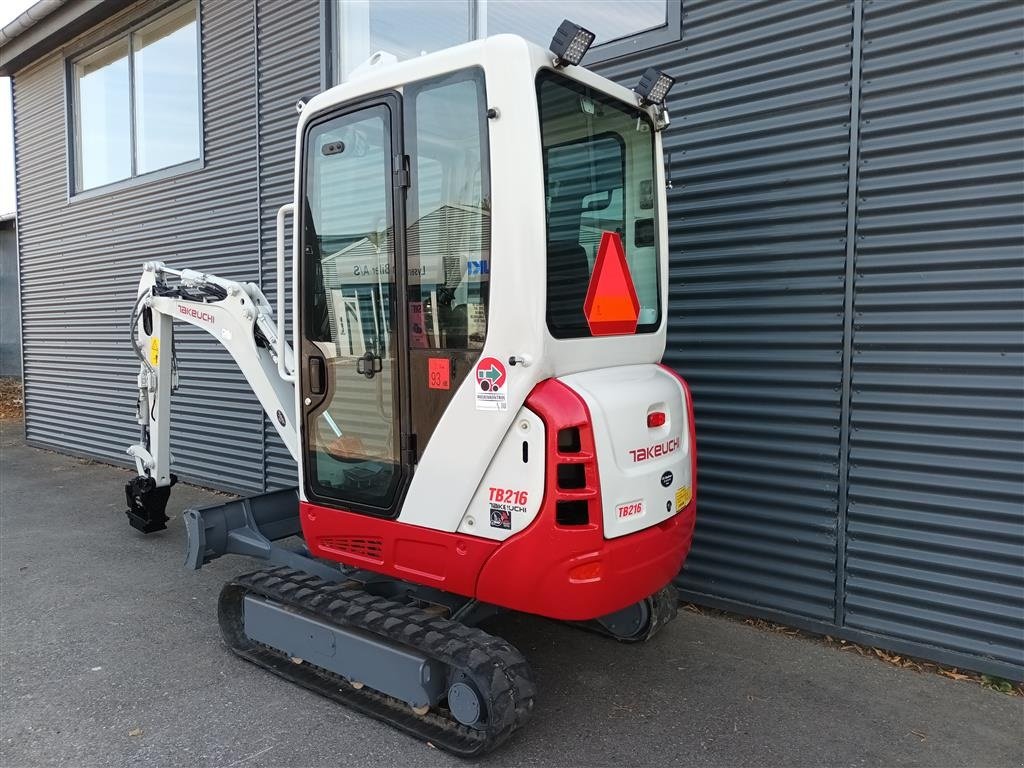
439,373
491,385
683,496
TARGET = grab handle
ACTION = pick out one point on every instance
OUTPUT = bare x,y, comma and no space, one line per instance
282,345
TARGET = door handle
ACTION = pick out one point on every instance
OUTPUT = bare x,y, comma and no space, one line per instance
317,376
369,365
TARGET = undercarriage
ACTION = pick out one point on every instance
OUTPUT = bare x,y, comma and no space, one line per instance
402,653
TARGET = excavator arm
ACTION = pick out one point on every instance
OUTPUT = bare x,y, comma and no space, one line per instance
239,316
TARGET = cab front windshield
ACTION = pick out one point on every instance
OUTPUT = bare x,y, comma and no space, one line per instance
599,176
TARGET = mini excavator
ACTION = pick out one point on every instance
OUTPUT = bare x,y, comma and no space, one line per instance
467,375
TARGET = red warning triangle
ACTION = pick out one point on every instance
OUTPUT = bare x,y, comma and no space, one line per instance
611,306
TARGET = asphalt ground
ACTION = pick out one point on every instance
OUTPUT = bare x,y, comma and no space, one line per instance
110,655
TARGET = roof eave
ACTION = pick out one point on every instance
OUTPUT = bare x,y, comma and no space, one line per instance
48,25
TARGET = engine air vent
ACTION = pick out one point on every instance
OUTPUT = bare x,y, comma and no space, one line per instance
569,440
574,512
367,547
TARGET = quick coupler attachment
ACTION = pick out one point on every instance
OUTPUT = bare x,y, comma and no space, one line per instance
147,503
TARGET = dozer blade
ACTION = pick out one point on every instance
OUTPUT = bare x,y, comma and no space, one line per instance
454,686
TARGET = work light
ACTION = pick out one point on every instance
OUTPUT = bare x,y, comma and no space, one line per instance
570,43
654,86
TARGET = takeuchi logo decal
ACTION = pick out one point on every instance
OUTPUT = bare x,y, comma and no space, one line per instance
654,451
195,314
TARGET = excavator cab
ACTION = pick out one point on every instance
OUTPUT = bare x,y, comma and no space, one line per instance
466,369
452,212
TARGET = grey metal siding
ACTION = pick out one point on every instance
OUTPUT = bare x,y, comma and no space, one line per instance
935,525
10,311
80,263
859,410
288,51
757,224
767,295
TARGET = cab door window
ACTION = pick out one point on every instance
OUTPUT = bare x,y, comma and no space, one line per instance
448,239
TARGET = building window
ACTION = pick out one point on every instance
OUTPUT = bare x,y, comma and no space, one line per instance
403,28
137,105
611,22
410,28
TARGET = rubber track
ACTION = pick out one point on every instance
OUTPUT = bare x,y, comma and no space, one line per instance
663,606
496,668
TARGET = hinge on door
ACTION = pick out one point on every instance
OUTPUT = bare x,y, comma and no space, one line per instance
402,178
408,448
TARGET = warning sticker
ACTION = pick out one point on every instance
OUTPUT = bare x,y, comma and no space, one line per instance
439,373
501,516
154,351
683,496
417,326
476,322
492,385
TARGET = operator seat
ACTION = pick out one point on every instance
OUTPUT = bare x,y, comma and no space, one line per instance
568,280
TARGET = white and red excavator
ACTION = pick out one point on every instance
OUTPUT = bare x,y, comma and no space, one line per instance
470,385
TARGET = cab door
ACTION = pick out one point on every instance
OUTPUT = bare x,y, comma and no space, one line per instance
353,376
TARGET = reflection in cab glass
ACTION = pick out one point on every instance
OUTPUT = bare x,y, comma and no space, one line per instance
448,214
349,307
598,177
351,292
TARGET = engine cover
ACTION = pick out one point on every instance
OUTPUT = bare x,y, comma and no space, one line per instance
646,471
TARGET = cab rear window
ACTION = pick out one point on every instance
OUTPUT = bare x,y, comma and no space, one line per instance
598,177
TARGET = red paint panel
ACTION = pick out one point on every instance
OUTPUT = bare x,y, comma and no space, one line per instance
573,572
560,571
448,561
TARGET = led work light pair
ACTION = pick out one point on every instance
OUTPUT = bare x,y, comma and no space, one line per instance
571,43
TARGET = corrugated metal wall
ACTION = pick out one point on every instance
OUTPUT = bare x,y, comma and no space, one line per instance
80,263
935,524
80,391
919,543
760,149
858,401
289,64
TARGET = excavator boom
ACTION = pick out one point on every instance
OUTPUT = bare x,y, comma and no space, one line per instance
237,315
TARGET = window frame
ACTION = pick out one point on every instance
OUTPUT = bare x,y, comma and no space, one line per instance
72,100
560,334
670,32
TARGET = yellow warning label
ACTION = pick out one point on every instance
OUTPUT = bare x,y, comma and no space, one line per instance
683,496
154,356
